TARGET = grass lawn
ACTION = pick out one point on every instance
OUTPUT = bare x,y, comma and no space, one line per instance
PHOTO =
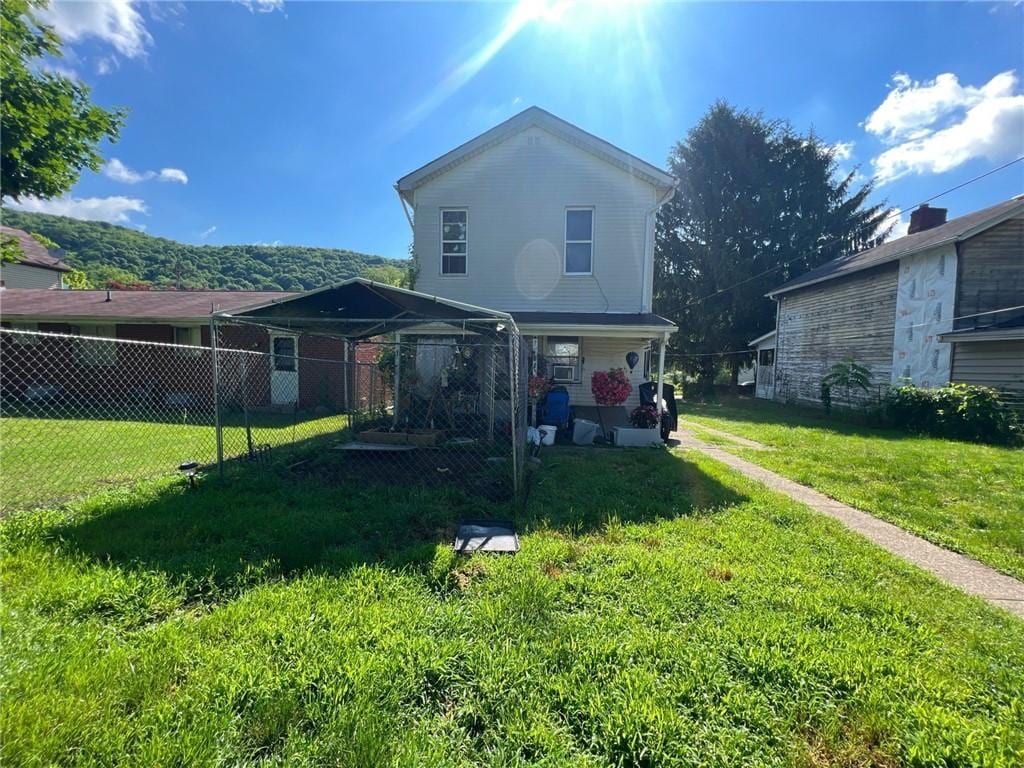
963,496
662,611
47,459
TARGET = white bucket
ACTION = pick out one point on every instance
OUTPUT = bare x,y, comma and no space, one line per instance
547,434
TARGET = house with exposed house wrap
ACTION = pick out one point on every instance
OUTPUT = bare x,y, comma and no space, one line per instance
944,303
555,226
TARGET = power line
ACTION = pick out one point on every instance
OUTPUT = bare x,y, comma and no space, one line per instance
898,212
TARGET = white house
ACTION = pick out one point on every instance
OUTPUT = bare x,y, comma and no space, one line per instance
543,220
37,267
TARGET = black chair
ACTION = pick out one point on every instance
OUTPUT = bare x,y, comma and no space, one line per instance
669,413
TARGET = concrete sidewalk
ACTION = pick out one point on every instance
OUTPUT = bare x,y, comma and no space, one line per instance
962,572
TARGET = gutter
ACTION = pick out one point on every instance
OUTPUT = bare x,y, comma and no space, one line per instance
649,231
405,208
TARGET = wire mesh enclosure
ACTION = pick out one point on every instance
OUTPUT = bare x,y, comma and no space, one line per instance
426,407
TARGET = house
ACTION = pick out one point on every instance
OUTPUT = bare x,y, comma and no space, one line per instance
540,219
944,303
764,365
305,371
37,267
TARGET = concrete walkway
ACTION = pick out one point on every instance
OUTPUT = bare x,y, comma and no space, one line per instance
962,572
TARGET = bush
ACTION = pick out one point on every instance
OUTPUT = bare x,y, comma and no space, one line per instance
958,411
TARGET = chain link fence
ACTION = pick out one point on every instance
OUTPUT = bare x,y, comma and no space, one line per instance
79,413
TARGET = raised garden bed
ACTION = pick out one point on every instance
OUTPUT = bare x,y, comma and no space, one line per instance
420,437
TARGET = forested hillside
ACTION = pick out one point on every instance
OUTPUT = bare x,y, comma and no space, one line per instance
106,252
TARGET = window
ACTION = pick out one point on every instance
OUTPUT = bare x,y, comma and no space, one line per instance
95,351
454,241
766,357
284,353
579,241
187,337
648,354
563,353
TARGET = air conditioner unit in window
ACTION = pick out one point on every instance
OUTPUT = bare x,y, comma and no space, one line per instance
563,372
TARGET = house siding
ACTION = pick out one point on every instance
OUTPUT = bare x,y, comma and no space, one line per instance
990,273
516,193
602,353
998,364
27,276
826,323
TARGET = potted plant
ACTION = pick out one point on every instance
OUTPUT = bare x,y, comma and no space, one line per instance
645,430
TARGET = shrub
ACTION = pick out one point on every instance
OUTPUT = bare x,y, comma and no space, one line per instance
958,411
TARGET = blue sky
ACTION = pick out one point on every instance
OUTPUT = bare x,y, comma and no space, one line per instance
270,122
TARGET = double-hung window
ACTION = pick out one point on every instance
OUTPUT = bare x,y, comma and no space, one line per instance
454,241
563,354
579,241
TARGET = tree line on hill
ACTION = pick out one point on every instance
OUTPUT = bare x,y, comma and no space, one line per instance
119,257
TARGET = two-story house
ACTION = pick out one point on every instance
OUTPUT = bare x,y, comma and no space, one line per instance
36,267
543,220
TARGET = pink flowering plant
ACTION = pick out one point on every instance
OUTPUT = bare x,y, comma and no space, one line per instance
644,417
610,387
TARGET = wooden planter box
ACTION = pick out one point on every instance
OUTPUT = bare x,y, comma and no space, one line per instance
420,437
632,437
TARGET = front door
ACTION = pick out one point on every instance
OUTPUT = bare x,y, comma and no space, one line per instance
284,371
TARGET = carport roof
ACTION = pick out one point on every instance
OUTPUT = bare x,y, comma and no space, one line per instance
359,308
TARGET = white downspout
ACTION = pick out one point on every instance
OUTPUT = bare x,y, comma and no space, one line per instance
647,301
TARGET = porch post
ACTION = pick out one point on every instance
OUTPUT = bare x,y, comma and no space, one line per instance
661,374
398,376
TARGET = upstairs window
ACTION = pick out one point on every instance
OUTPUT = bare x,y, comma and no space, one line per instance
579,241
454,241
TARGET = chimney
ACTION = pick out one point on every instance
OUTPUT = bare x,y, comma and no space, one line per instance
925,218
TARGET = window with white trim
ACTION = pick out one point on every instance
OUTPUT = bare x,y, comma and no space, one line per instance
579,241
563,357
454,241
96,351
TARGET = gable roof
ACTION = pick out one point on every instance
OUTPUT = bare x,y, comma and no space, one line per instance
535,116
34,253
953,231
127,306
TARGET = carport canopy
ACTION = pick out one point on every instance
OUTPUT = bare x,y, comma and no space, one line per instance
360,309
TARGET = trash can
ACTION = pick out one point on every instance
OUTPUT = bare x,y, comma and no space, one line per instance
584,432
548,433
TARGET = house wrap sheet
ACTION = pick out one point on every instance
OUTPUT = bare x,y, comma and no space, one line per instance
925,297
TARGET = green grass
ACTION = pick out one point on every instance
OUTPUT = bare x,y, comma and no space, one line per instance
43,459
663,611
962,496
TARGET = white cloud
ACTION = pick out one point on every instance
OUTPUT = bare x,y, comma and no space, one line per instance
262,6
207,232
114,21
173,174
937,125
842,150
118,171
899,227
115,209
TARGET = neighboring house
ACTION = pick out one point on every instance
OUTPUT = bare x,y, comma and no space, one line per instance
540,219
305,371
764,365
37,268
944,303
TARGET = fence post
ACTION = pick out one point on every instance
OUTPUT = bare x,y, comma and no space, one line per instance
513,385
215,356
